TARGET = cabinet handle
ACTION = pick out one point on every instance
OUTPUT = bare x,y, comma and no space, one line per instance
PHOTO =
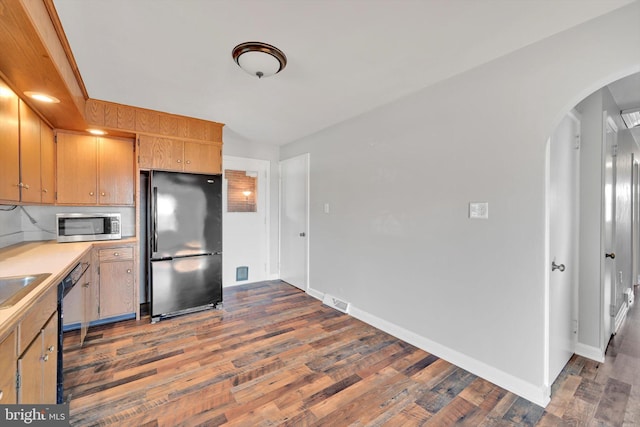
26,186
91,193
116,254
44,190
128,270
51,348
179,161
102,194
188,162
86,285
45,358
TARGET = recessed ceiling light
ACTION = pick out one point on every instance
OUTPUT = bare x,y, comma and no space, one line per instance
631,117
96,132
259,59
42,97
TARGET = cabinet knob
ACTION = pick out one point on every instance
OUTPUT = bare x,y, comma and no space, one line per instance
188,162
44,190
25,186
51,348
128,270
116,254
102,194
45,357
91,193
179,161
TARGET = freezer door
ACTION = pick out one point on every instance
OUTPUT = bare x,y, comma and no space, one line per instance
185,283
185,214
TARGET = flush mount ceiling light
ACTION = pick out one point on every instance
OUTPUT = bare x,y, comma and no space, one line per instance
43,97
631,117
96,131
259,59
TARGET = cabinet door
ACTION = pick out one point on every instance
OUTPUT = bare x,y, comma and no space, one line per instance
29,155
160,153
47,163
8,370
202,157
116,169
9,145
116,288
76,169
50,360
89,308
30,370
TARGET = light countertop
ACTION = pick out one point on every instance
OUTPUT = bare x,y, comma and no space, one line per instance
41,257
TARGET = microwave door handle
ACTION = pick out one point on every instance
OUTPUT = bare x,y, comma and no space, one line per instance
155,220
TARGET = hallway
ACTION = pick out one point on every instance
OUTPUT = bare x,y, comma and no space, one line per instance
608,394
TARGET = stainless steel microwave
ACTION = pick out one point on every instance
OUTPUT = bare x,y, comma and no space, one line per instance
77,227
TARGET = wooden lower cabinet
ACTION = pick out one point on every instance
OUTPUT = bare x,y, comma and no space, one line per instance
116,281
37,366
8,370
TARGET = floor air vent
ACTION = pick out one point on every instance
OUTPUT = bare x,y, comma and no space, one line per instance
336,303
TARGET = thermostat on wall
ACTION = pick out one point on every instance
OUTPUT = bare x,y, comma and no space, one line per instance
478,210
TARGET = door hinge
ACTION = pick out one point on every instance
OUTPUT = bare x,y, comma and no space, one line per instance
55,138
98,270
577,146
18,381
56,195
614,150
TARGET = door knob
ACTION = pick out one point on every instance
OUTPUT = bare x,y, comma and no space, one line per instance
555,266
302,234
611,255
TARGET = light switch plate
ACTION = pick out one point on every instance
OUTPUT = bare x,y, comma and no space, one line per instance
478,210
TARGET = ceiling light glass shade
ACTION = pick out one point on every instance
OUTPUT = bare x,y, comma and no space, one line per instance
631,117
259,59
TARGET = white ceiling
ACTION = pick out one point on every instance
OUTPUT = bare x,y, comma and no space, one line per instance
345,57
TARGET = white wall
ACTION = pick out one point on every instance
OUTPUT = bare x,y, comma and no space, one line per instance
398,243
10,226
236,145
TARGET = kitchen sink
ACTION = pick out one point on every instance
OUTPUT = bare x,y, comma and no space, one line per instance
14,288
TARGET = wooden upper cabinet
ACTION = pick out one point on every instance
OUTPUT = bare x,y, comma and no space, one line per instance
160,153
181,156
9,145
47,163
77,167
115,171
31,189
94,170
202,157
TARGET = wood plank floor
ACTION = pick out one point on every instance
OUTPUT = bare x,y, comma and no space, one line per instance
275,356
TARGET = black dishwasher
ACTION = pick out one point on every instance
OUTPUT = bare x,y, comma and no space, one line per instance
63,289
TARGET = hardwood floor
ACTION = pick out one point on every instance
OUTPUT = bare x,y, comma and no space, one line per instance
276,356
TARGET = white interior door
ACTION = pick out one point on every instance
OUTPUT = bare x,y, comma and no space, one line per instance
609,228
245,221
563,241
294,217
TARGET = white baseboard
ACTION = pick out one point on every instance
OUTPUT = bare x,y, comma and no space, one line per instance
619,320
316,294
539,395
590,352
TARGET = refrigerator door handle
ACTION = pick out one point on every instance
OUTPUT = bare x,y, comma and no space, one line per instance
154,246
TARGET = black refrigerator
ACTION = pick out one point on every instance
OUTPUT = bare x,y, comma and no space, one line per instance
185,243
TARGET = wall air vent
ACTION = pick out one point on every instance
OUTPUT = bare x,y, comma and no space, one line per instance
336,303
